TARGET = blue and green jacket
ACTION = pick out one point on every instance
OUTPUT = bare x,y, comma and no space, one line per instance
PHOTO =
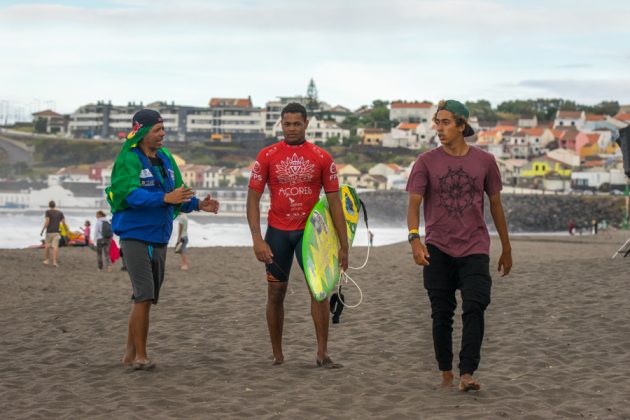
136,196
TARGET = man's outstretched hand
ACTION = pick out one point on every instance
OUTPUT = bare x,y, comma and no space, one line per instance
179,195
209,204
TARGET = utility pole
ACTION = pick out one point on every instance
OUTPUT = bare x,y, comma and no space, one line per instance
625,218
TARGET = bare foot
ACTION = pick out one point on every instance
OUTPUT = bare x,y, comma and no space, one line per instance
277,361
127,361
447,379
467,383
184,268
45,262
109,269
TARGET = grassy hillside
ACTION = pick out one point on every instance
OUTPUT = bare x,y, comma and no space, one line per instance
57,153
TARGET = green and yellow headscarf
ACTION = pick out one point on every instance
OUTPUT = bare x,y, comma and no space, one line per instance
127,167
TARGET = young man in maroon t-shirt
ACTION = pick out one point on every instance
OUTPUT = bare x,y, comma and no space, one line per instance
452,180
295,172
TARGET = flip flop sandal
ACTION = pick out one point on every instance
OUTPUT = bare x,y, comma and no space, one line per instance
143,366
327,363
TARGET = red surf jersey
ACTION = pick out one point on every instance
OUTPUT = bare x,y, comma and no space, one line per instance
295,175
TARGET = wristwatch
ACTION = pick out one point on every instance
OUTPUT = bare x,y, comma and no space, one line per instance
413,236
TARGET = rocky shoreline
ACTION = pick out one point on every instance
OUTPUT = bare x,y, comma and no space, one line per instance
524,212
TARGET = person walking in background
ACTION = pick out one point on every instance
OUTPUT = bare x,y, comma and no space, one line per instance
452,180
103,235
145,195
371,237
181,246
87,230
54,219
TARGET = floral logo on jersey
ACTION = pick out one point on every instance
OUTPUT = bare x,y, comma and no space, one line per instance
456,190
333,171
294,170
256,172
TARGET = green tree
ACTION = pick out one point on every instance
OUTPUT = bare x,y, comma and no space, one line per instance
605,107
241,181
40,125
378,117
331,141
482,109
353,139
351,122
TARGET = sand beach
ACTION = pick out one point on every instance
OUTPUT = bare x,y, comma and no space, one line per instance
557,340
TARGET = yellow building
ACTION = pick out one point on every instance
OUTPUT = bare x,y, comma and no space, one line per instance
542,168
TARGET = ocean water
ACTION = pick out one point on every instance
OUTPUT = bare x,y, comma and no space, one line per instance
22,231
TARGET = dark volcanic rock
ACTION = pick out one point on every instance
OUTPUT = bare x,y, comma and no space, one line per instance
524,213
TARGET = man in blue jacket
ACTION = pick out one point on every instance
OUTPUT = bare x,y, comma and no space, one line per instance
145,195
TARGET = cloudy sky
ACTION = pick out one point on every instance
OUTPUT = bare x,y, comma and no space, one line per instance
68,53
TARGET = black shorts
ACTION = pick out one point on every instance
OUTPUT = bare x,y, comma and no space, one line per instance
284,244
469,274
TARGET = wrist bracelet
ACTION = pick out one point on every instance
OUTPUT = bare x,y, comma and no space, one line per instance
413,236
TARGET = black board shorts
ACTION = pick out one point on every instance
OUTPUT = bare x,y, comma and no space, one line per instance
145,264
284,244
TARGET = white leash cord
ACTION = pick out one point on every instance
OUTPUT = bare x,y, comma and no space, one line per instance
345,277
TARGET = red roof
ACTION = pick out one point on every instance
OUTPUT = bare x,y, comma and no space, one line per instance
394,167
570,114
593,138
47,113
407,126
504,128
533,131
595,117
558,134
491,133
231,102
411,105
593,163
623,117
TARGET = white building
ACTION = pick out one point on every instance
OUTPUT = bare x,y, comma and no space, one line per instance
317,130
596,177
70,174
212,177
227,115
527,121
566,119
400,138
412,112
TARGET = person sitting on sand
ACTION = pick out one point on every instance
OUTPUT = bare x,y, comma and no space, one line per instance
295,171
145,195
452,180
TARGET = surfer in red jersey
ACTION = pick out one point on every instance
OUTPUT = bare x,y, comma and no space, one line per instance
295,172
452,180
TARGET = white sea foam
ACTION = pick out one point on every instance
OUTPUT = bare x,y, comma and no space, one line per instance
22,231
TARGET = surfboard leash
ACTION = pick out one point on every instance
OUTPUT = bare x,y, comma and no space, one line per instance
344,276
367,228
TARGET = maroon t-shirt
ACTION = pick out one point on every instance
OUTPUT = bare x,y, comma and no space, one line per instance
452,188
